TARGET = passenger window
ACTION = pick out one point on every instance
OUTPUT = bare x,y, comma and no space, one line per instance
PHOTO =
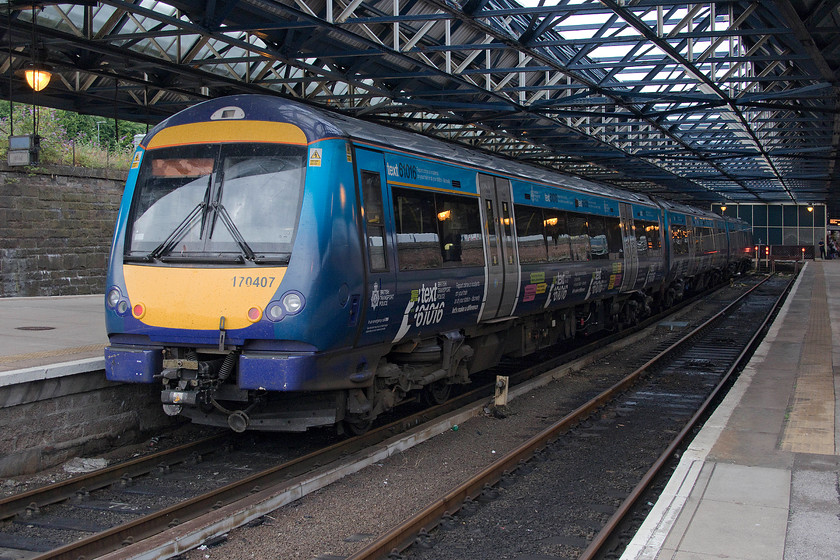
679,239
647,236
598,246
530,234
654,238
579,236
704,242
460,231
372,210
614,242
415,219
435,230
557,236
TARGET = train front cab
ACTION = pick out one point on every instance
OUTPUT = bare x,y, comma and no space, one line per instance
233,276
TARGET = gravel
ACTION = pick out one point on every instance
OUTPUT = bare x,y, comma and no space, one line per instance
341,519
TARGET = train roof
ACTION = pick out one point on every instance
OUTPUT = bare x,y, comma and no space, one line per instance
319,124
693,211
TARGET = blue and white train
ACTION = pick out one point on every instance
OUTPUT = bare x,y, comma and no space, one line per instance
280,267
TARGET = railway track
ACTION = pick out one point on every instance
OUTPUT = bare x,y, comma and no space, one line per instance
47,523
564,493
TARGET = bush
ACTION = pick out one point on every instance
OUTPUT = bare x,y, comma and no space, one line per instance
69,138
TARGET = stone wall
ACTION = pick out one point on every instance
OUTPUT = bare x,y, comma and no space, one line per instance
56,225
46,422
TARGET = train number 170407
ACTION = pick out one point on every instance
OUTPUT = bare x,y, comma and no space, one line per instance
253,281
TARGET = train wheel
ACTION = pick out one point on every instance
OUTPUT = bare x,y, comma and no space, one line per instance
435,393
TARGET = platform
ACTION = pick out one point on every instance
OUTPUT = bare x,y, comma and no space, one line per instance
760,480
50,336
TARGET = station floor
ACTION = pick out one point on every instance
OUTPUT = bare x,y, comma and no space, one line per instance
761,481
50,336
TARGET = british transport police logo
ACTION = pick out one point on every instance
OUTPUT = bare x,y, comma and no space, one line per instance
374,296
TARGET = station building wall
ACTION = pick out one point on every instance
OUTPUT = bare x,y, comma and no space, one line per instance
56,224
781,224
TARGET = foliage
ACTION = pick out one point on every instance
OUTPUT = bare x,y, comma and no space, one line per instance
69,138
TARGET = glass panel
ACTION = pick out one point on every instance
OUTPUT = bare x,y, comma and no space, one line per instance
774,215
530,234
614,243
745,212
679,238
491,232
760,236
806,236
647,236
172,192
435,230
819,216
374,220
460,230
806,219
213,200
707,243
579,236
557,236
652,235
789,217
415,220
760,215
507,225
772,236
599,249
260,192
791,237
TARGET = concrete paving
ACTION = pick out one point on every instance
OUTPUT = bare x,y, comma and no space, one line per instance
44,336
760,481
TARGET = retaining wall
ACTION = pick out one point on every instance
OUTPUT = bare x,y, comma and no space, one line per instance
56,225
46,422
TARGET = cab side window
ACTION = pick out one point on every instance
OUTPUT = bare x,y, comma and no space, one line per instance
374,221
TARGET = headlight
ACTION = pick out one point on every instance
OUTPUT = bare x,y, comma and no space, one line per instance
274,312
114,297
290,304
293,302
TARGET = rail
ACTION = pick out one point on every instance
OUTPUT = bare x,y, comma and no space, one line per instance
400,537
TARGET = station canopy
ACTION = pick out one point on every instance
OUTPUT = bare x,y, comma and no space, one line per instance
700,102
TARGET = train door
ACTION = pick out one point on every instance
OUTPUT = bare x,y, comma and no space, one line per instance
502,285
378,253
631,250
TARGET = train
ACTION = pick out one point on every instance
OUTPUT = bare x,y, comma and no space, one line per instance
280,267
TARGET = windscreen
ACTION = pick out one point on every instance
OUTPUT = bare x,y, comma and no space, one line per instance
231,201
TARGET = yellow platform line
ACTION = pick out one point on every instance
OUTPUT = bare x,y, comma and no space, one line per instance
809,427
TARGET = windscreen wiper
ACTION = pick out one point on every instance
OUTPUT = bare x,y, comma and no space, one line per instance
222,212
178,233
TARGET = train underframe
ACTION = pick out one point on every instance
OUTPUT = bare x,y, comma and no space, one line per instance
202,384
